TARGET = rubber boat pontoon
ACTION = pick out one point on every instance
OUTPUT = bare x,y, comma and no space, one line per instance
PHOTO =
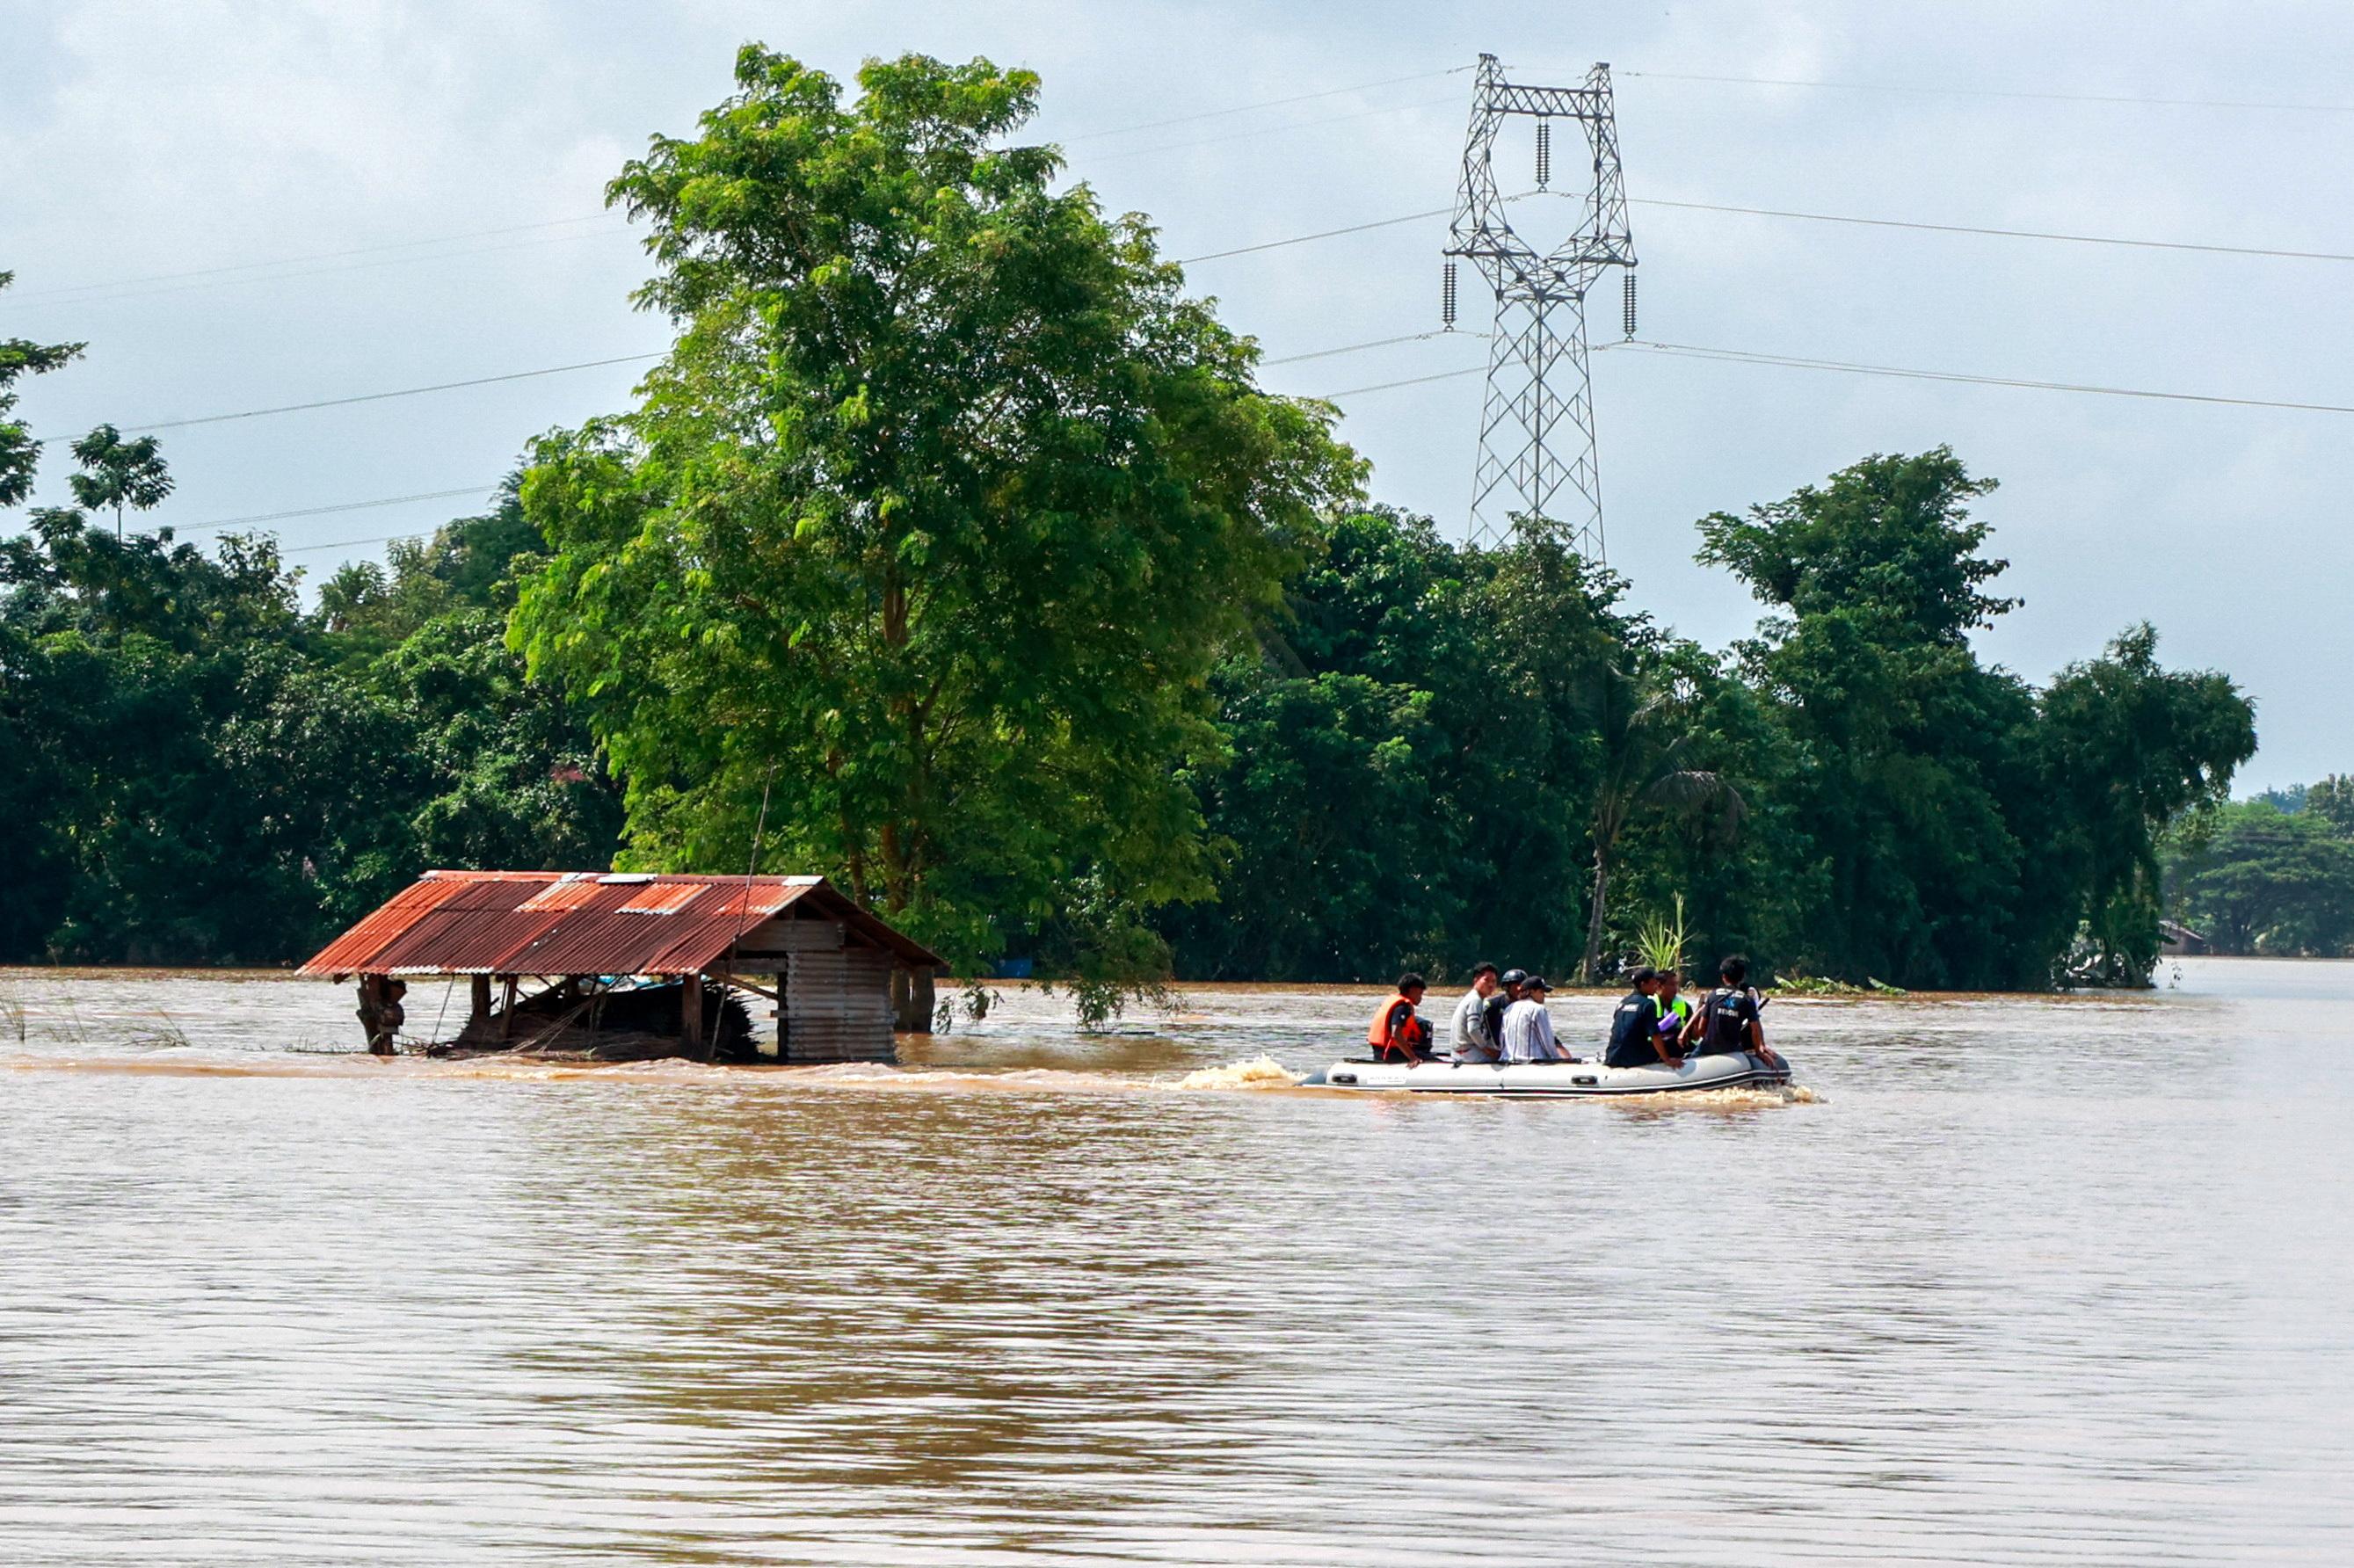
1551,1080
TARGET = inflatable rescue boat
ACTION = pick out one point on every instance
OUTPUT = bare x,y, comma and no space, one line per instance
1553,1080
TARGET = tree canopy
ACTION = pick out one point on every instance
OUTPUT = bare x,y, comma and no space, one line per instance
2252,878
931,526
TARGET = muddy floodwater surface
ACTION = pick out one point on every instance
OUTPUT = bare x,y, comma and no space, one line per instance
2032,1280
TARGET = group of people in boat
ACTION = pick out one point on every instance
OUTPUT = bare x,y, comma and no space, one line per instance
1504,1018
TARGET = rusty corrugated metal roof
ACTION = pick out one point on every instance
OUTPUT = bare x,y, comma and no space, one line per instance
582,923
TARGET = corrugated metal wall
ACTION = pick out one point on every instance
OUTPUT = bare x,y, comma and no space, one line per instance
837,1006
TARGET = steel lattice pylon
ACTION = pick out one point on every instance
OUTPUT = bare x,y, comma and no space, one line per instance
1536,424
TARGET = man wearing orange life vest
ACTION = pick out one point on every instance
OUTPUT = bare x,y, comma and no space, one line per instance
1397,1029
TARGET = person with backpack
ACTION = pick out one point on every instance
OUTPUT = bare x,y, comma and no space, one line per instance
1729,1018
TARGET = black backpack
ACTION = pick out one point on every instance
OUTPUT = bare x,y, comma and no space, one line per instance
1720,1029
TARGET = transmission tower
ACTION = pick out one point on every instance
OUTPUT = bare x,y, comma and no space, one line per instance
1536,424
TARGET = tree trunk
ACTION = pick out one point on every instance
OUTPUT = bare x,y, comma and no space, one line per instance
1586,970
912,1001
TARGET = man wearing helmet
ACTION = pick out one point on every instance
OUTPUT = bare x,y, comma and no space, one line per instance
1508,992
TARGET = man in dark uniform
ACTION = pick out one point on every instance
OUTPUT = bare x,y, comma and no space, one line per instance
1728,1020
1635,1027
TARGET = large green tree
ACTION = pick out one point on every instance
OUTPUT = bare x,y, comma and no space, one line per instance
2255,879
2125,748
1972,830
1912,748
931,525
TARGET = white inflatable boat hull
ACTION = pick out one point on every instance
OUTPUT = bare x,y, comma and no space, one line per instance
1551,1080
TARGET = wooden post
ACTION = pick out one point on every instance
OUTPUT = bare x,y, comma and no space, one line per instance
690,1012
478,1011
381,1013
506,1010
371,1010
912,1002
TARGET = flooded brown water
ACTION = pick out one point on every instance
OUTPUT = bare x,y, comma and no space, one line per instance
2034,1281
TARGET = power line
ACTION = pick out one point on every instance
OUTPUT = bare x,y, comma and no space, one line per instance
1421,380
1742,357
639,358
1678,350
629,358
342,506
1410,381
130,293
1320,234
2002,233
1333,233
1376,342
1265,130
1265,103
293,261
402,392
131,288
343,544
2000,93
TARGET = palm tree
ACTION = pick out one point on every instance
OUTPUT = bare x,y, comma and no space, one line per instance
1649,741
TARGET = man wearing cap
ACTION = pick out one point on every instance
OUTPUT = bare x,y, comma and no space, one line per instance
1528,1025
1635,1027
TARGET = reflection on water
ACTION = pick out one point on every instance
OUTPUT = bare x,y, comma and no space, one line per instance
2038,1280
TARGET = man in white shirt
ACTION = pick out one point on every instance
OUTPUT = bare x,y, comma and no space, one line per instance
1468,1038
1528,1026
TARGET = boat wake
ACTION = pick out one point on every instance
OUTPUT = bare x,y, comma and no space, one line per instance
1257,1073
1754,1096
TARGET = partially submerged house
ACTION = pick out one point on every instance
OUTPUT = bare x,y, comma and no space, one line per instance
609,964
2179,941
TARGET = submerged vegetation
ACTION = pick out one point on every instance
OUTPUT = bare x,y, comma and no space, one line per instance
955,552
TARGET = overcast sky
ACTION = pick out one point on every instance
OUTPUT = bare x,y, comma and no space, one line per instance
362,151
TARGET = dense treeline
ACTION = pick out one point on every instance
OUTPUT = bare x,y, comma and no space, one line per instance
2274,876
955,552
194,770
1440,752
